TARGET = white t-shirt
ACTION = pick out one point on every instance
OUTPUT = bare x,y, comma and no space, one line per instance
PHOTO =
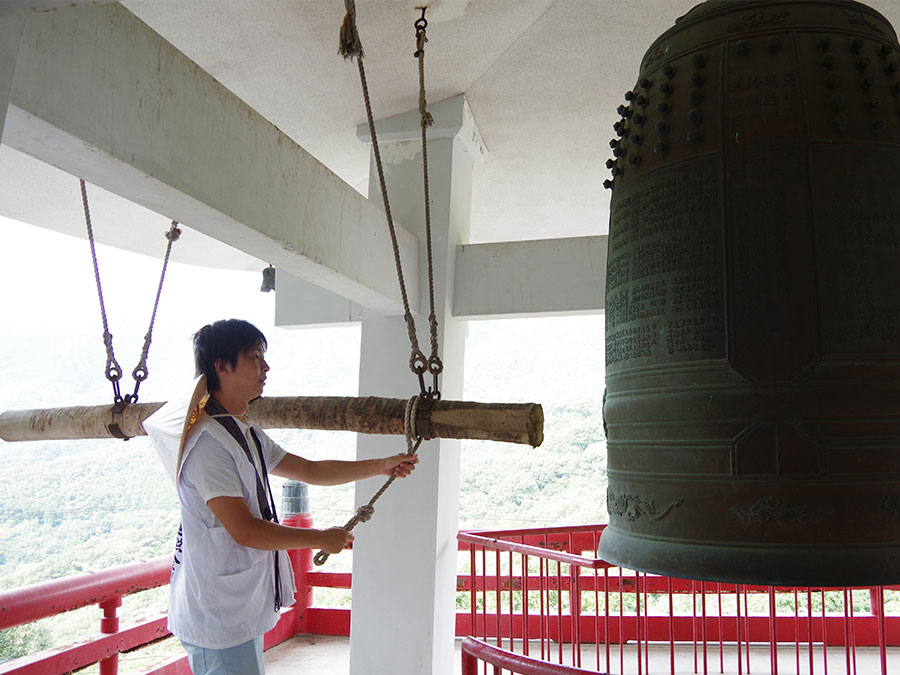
222,594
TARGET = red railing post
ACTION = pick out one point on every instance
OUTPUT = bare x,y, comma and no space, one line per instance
773,637
469,664
295,513
877,599
473,592
575,611
110,624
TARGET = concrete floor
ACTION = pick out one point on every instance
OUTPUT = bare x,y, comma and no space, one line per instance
318,655
323,655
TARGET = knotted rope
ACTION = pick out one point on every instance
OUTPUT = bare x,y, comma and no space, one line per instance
435,367
350,47
365,512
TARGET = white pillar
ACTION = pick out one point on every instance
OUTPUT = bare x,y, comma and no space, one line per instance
404,560
10,36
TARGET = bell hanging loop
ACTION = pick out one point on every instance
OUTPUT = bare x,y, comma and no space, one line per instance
117,393
434,390
113,371
139,374
435,367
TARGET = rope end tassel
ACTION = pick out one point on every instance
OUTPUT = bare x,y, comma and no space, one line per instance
349,43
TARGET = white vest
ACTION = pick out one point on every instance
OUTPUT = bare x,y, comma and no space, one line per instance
221,593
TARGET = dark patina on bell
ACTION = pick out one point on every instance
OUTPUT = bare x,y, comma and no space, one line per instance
753,299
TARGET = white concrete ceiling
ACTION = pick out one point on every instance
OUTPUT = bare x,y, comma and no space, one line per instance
543,79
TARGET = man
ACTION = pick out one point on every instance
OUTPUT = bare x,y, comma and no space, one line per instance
230,576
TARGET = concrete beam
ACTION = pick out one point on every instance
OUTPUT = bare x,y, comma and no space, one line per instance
300,304
530,278
10,36
10,7
452,118
518,279
100,95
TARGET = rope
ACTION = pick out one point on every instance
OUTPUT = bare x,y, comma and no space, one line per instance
365,512
140,372
350,47
435,367
113,369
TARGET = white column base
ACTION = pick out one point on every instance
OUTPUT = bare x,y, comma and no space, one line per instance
404,559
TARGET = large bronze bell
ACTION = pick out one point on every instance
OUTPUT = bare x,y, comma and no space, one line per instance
753,299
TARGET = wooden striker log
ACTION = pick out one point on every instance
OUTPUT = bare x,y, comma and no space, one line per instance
505,422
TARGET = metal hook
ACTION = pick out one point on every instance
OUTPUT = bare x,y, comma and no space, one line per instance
421,23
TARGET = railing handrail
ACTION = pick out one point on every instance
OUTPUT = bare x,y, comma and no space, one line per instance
29,603
106,588
492,539
475,650
525,531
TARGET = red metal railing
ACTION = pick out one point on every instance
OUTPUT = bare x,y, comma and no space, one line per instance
106,590
475,652
544,593
536,593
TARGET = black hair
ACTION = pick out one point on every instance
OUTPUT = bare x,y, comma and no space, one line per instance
225,339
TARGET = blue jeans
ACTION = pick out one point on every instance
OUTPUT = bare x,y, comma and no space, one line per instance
243,659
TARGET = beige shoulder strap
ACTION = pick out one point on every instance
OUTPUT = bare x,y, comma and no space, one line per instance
194,410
